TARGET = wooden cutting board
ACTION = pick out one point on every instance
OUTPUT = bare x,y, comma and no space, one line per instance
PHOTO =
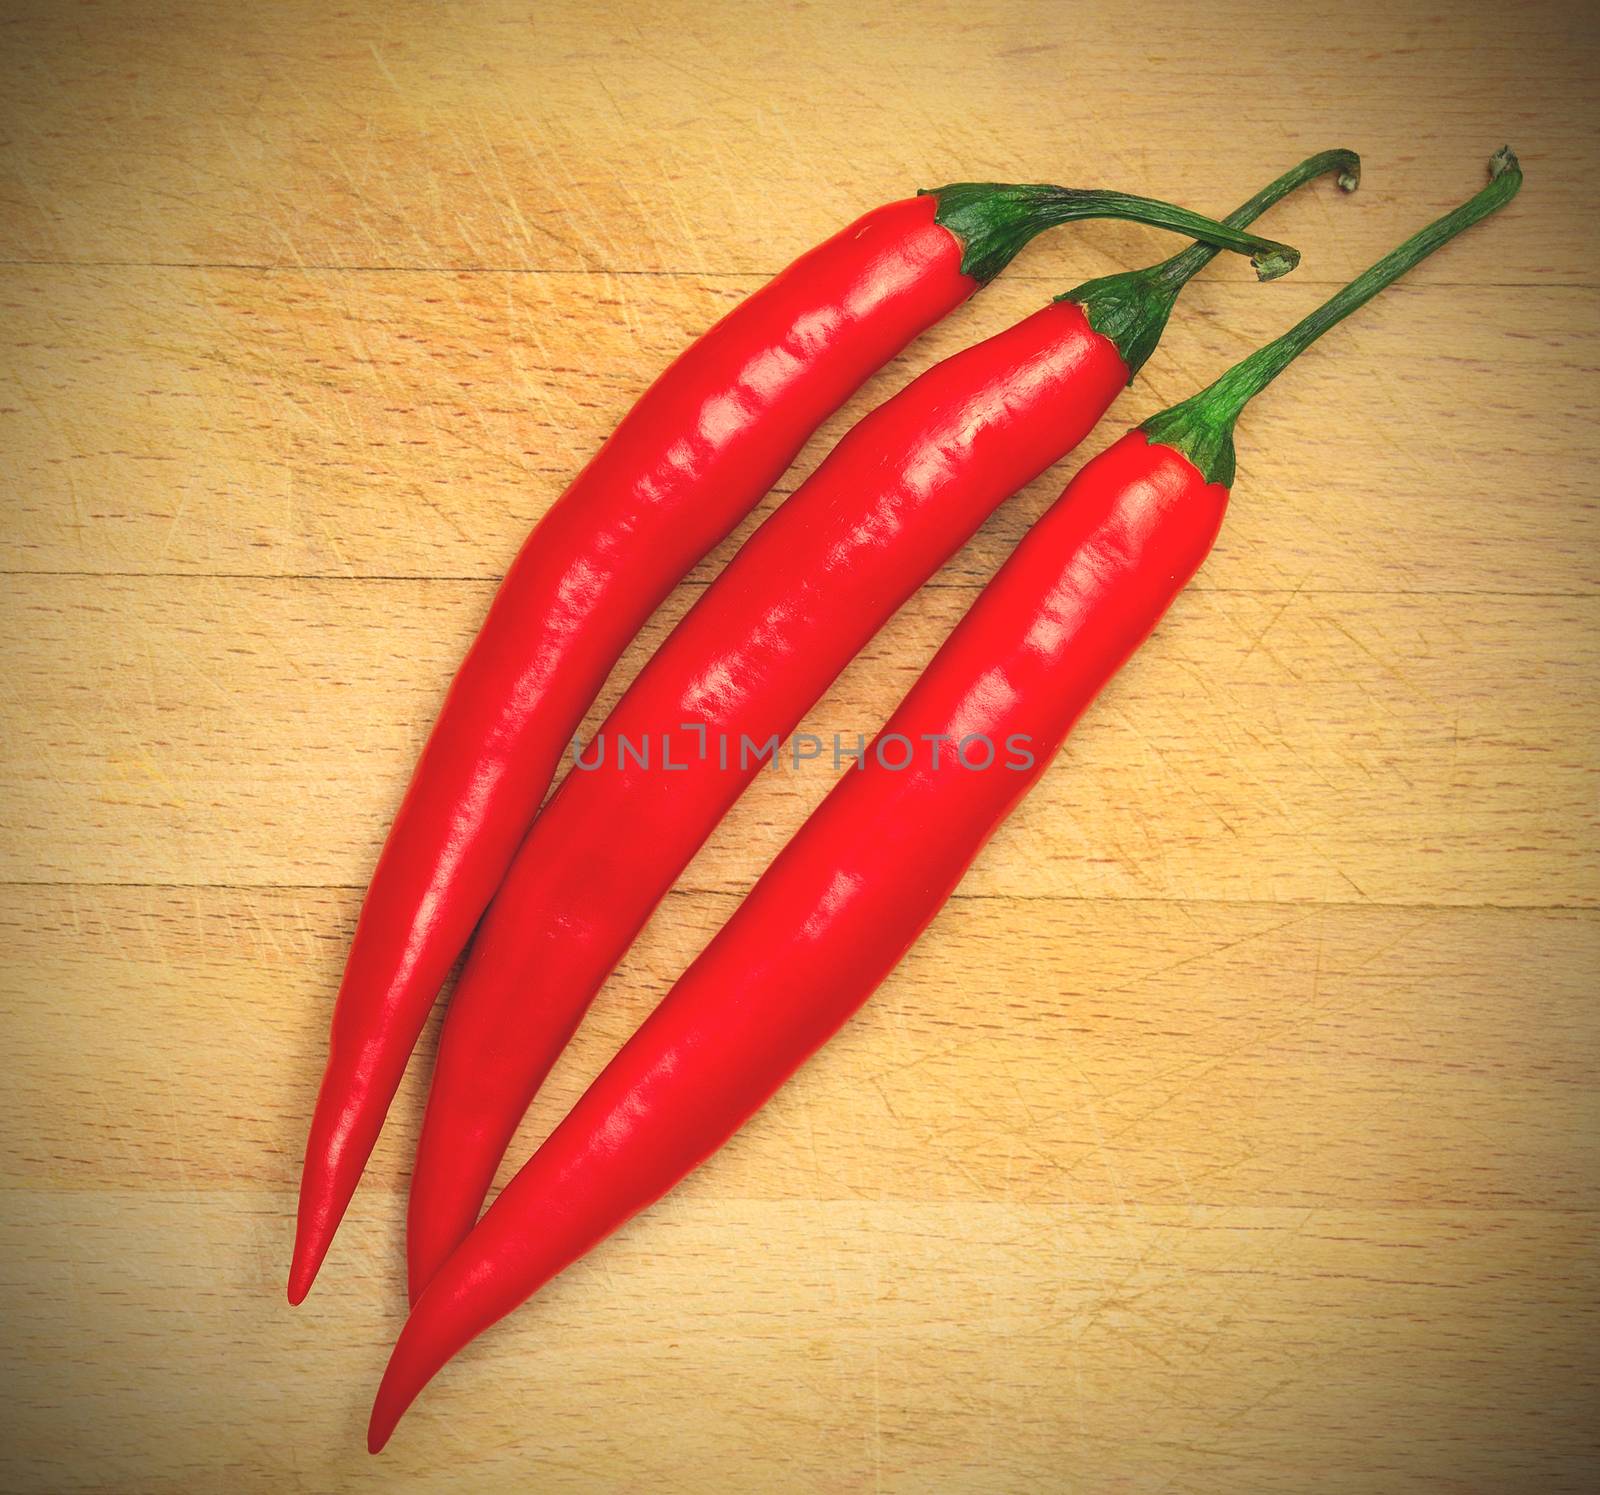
1234,1129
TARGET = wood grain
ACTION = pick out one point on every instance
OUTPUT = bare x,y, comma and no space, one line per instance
701,136
1236,1127
1077,1064
824,1346
388,424
1418,747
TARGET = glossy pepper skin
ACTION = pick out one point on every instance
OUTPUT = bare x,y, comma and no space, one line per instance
905,489
845,899
851,892
893,501
702,445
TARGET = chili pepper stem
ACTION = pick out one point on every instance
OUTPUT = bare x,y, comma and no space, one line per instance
1132,308
994,221
1201,427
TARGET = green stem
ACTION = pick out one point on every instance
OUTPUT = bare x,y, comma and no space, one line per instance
1184,265
1201,427
1131,309
993,222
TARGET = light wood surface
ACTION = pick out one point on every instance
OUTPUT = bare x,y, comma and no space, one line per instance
1236,1127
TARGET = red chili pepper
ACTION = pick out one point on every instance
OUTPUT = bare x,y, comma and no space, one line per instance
863,877
904,490
705,441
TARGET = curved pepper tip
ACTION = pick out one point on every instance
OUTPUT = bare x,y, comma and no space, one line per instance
377,1436
388,1408
303,1269
302,1273
324,1196
410,1368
